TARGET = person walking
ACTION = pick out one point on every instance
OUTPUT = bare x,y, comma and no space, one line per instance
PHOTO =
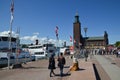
86,54
51,65
61,63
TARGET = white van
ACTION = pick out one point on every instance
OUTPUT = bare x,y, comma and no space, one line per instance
65,51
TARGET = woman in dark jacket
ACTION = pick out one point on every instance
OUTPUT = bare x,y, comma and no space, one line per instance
51,65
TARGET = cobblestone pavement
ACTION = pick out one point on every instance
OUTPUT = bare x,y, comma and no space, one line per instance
38,70
113,59
102,75
110,65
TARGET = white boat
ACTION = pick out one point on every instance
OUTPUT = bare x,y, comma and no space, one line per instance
10,52
15,52
41,51
4,45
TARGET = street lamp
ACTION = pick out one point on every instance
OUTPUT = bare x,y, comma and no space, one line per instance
85,30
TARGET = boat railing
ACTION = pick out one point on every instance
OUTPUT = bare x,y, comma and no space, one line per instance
15,61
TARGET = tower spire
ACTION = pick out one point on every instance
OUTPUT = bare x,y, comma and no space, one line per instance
76,13
76,17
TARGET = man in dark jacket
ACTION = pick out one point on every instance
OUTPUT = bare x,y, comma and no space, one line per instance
61,63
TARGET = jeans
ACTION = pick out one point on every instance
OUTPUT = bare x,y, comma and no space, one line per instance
61,70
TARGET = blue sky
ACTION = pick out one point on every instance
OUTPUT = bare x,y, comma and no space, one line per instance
38,18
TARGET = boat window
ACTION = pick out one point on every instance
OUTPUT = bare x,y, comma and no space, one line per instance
31,47
7,50
39,46
35,47
39,53
5,38
44,45
13,39
48,45
51,51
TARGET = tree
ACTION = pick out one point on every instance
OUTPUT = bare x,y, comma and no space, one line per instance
24,46
117,44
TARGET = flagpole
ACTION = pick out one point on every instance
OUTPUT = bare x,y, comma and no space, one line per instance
10,34
57,38
57,46
71,40
10,46
17,44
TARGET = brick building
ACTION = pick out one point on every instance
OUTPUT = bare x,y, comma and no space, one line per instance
87,42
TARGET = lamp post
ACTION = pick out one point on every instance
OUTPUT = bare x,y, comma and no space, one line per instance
85,30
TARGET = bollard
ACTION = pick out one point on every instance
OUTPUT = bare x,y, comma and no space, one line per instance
15,66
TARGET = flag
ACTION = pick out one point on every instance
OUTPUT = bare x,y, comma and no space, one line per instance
11,21
56,32
74,41
70,38
12,7
12,10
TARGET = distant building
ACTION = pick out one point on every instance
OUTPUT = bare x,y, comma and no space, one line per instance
87,42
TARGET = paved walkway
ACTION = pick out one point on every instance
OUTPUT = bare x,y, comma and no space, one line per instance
111,69
86,71
38,71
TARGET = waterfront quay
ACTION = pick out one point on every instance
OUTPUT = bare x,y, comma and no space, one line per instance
38,70
98,67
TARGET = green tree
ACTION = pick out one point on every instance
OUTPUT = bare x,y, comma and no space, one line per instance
117,44
24,46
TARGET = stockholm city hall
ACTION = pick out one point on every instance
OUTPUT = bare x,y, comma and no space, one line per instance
100,42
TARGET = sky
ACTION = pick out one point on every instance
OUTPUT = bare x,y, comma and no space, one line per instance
37,19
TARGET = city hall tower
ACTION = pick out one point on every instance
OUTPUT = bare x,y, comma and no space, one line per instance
77,32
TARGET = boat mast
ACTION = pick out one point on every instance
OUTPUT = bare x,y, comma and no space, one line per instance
17,42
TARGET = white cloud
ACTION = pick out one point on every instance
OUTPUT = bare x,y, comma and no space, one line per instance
31,39
25,38
43,39
36,33
6,33
52,40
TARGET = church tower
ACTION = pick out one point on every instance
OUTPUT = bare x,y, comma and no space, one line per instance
77,32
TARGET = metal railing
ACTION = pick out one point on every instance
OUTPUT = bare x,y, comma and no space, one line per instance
14,61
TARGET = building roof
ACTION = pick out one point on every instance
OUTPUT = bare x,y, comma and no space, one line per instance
95,38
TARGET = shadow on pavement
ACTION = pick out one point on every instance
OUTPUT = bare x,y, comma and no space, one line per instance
66,66
34,67
67,74
81,69
96,73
